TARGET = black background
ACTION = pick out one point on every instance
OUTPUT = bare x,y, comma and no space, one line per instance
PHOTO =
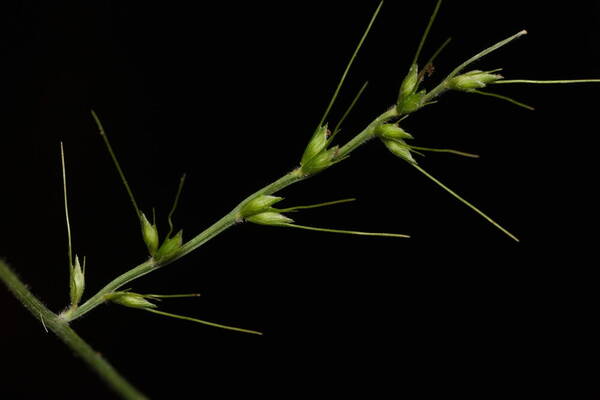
230,94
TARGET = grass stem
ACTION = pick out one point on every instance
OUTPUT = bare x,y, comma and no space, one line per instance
60,327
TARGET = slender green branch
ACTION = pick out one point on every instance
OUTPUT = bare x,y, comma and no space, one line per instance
227,221
436,54
358,233
451,151
567,81
100,297
439,89
179,189
484,53
234,216
116,162
64,176
471,206
60,328
505,98
292,177
150,265
170,296
367,133
348,110
325,204
200,321
343,78
426,33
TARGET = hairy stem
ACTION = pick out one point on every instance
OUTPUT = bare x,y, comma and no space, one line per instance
61,328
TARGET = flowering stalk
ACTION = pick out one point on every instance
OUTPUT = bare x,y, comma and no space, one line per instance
259,208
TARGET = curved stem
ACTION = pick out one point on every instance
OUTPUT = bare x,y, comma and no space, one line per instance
61,328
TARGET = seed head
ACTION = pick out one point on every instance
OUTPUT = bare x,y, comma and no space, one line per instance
400,149
316,145
132,300
410,82
410,103
392,131
170,246
472,80
321,161
259,204
270,218
77,282
149,234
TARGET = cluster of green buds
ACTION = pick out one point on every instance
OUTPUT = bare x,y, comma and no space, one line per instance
76,281
132,300
473,80
410,98
317,156
394,138
159,251
260,211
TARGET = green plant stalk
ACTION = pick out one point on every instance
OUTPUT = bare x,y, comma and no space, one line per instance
442,87
227,221
61,328
554,82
